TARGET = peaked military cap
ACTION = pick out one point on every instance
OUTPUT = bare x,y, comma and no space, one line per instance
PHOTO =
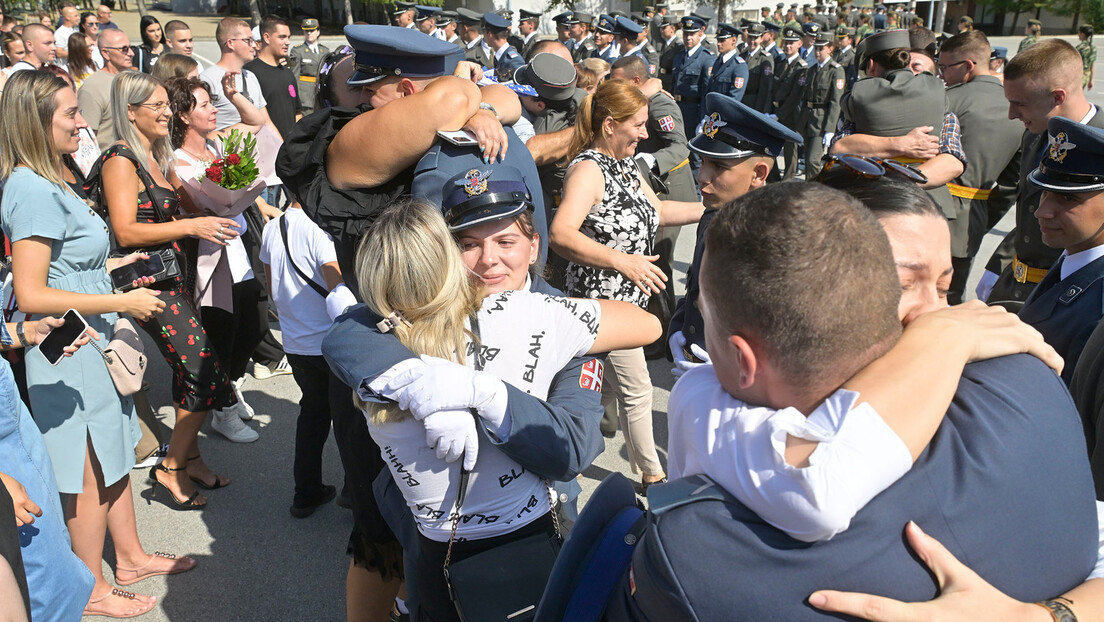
810,28
402,7
771,26
706,13
844,31
732,130
1073,160
1034,22
527,15
823,39
789,33
552,77
668,20
468,16
384,51
692,23
726,31
426,12
495,22
566,18
1000,52
444,18
491,192
754,29
880,42
649,8
626,27
606,24
640,19
583,17
309,24
661,5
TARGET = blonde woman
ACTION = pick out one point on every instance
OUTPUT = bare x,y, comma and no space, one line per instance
605,227
60,261
139,180
411,270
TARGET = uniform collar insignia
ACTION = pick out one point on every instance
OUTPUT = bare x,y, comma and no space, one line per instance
712,125
1060,146
474,182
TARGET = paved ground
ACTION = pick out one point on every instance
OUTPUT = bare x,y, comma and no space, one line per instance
255,561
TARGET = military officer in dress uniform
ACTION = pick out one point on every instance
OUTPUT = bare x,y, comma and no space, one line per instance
809,32
446,21
730,73
603,38
824,87
789,82
845,53
1068,303
769,43
527,28
304,61
670,48
629,35
693,66
426,21
404,14
706,15
760,64
583,46
476,49
992,144
654,36
506,59
563,28
738,147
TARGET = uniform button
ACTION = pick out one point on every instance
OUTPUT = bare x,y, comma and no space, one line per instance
692,329
1027,239
563,497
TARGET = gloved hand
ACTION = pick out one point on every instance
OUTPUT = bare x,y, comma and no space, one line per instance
828,139
444,385
773,116
452,434
985,285
682,364
339,299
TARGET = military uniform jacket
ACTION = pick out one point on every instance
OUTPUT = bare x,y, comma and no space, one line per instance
692,74
303,62
779,57
990,139
609,54
507,63
727,78
584,49
788,86
1067,310
687,316
715,559
1027,42
667,58
515,42
651,57
824,86
846,59
528,45
478,53
760,83
667,142
1027,240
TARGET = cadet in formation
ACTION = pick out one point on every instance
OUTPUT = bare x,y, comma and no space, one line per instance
304,61
824,86
730,72
693,67
789,81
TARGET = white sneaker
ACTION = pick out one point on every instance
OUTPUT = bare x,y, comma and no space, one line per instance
227,423
264,372
242,408
153,459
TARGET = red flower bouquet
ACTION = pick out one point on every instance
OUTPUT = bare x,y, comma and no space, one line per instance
231,183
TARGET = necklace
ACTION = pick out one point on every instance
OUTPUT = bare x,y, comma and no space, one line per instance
203,158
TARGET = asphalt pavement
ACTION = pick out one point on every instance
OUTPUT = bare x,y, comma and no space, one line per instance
256,562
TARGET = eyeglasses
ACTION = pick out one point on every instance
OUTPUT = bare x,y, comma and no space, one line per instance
248,40
943,68
125,50
871,167
156,106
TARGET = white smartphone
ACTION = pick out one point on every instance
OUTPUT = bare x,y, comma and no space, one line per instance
461,138
53,346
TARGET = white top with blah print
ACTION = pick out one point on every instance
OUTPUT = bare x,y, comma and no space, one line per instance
526,339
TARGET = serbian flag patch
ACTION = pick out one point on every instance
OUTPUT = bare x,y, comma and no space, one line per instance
767,68
651,69
739,83
591,376
667,123
839,84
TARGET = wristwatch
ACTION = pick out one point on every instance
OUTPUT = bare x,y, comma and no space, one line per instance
21,335
1059,609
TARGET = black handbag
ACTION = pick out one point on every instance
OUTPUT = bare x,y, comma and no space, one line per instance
504,583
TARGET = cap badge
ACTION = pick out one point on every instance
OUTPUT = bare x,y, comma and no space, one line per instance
474,182
712,125
1060,146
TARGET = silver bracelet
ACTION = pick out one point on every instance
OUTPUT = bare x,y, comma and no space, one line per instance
486,106
1059,609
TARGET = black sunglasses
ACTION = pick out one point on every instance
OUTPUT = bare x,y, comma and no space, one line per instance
871,167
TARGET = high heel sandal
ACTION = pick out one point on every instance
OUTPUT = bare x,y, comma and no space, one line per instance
202,484
187,504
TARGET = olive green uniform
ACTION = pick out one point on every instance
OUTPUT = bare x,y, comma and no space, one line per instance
304,64
667,57
820,110
788,86
1088,59
760,82
1027,42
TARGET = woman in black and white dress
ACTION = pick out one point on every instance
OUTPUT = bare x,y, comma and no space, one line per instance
605,227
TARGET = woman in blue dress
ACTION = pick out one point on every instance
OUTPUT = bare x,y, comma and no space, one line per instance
59,260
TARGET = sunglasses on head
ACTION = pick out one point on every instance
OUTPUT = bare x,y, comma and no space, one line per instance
871,167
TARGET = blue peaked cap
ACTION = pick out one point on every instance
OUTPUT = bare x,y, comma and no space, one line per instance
384,51
732,130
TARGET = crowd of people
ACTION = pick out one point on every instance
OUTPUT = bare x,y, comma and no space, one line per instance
467,236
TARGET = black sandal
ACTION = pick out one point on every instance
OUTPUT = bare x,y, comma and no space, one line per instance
187,504
202,484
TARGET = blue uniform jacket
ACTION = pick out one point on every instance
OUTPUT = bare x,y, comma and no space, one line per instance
727,79
607,55
506,65
445,160
687,317
1067,311
1003,485
691,82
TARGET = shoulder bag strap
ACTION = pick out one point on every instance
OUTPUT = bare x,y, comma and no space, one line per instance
283,234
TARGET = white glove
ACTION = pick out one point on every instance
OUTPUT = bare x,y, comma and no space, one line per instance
828,139
444,385
985,285
773,116
682,364
339,299
452,434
